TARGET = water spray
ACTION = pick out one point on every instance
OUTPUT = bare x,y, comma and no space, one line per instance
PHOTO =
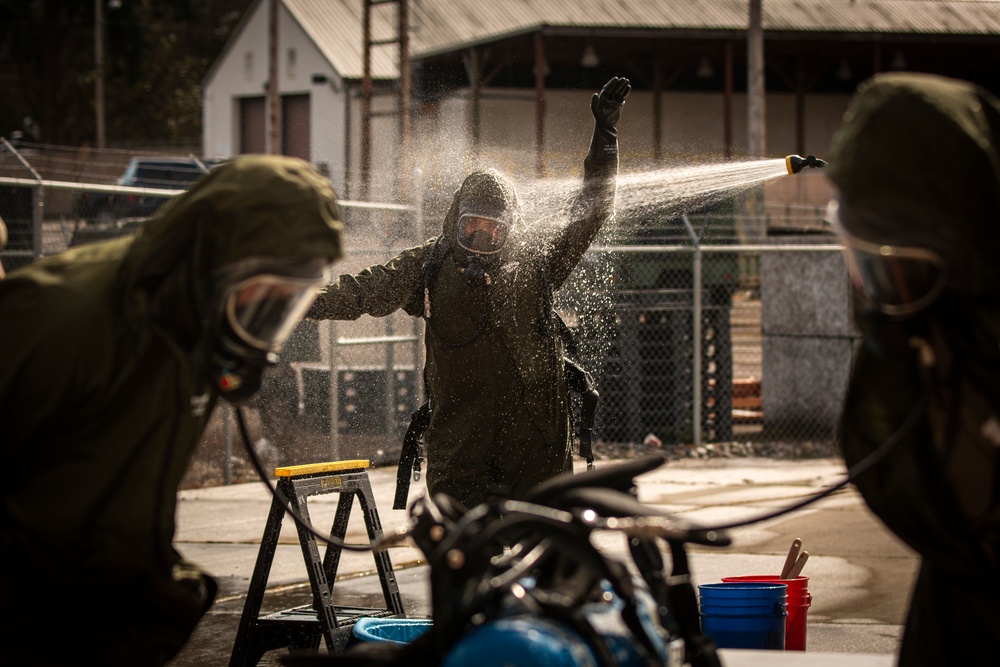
795,164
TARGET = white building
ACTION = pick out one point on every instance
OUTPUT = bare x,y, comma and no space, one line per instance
478,96
319,68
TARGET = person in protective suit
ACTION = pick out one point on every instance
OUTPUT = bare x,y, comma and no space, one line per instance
916,170
115,355
499,415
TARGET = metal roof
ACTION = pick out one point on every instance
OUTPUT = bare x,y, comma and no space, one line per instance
443,26
889,16
335,26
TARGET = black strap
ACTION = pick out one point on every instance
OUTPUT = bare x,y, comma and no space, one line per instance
581,382
682,601
428,276
411,456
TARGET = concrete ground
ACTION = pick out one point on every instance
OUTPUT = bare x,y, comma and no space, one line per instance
859,573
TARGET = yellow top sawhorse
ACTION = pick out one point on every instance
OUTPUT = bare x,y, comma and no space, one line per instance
302,627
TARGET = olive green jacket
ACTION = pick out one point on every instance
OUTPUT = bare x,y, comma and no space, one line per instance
918,154
514,369
920,429
104,390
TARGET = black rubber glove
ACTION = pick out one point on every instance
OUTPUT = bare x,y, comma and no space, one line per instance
607,109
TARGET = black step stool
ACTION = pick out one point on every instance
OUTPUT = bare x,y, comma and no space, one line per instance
302,627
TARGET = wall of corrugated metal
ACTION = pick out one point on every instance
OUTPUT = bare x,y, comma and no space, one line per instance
447,25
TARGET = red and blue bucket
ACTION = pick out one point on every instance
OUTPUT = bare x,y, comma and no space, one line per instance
797,603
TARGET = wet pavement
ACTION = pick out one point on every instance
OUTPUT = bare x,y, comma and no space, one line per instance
859,573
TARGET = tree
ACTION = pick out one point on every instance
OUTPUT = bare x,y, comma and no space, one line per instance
157,53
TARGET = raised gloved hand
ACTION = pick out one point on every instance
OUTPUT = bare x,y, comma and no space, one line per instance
607,109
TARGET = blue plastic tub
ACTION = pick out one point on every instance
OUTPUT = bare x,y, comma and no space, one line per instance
395,630
744,615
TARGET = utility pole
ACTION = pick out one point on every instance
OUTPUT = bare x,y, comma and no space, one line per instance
405,100
756,132
755,226
99,70
366,101
273,97
540,66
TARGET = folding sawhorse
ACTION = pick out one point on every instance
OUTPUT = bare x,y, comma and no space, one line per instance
302,627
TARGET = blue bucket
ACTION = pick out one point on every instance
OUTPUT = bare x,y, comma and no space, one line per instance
394,630
744,614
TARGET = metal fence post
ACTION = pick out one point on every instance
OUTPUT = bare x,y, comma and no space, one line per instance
696,334
390,380
419,350
37,200
227,437
334,392
419,358
37,219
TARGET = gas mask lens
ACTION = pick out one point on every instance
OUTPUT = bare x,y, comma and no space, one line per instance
264,310
482,235
896,280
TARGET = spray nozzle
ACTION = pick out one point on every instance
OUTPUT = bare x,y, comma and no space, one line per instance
795,164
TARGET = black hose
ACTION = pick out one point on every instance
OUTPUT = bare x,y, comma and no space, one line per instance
858,469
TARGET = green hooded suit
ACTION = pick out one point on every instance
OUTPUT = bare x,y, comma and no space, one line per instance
499,408
104,395
917,161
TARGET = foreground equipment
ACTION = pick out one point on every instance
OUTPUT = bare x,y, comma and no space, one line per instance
507,572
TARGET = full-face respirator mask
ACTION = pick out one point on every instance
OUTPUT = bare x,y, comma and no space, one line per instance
894,279
258,310
483,239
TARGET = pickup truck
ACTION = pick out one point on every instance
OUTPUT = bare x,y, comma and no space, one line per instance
169,173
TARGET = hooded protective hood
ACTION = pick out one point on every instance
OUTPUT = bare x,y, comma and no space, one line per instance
105,394
916,166
486,193
247,212
916,163
253,206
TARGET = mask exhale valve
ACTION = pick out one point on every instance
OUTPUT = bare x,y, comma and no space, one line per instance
475,273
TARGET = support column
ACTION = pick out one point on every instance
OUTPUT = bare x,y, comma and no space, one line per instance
540,67
273,91
756,114
405,101
366,102
800,108
473,70
727,104
657,109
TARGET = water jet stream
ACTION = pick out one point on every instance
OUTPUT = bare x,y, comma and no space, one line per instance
671,190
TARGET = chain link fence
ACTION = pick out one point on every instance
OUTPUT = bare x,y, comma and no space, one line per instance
706,340
54,197
700,335
378,361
